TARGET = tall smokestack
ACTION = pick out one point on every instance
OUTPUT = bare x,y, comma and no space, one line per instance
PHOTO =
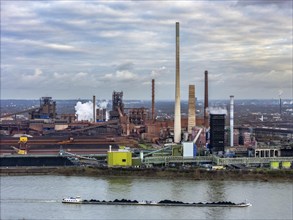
191,108
177,112
194,107
153,99
206,99
280,107
231,120
94,108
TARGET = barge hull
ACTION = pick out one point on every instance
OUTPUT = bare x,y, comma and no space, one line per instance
165,204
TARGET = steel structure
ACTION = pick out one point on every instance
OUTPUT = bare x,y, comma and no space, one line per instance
47,109
117,106
137,116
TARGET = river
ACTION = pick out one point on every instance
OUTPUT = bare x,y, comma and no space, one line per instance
39,197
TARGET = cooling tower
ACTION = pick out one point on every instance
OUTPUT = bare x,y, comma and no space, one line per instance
177,111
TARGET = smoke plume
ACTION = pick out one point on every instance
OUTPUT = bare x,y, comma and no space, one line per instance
84,111
217,110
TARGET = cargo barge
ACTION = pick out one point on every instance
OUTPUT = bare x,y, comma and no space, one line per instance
78,200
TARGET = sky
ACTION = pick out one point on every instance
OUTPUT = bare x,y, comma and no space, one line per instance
76,49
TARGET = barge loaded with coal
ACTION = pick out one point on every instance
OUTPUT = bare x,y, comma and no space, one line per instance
78,200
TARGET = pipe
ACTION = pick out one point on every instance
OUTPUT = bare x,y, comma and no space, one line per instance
231,120
177,111
197,136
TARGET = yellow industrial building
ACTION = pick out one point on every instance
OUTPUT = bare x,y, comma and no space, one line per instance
275,164
286,164
121,158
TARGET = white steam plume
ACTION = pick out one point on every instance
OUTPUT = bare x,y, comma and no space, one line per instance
84,111
217,111
103,104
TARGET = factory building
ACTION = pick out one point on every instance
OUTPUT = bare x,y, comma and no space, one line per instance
47,109
68,117
217,132
117,106
121,158
101,115
137,116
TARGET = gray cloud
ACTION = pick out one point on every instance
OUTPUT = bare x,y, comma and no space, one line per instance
125,66
70,49
263,3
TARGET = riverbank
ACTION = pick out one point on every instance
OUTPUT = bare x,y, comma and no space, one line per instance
167,173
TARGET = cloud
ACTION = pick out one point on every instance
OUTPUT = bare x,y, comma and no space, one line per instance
81,75
264,3
60,47
36,76
123,75
76,48
158,72
272,79
216,78
125,66
38,72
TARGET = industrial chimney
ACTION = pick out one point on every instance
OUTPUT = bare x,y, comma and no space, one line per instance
206,100
191,108
280,107
153,99
177,111
231,120
94,108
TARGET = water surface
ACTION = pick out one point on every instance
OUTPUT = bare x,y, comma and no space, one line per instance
39,197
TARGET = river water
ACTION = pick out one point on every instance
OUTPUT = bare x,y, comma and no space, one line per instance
39,197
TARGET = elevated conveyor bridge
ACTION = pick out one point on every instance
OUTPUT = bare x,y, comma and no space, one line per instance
20,112
246,161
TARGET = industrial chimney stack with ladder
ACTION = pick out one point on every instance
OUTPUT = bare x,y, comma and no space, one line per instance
177,111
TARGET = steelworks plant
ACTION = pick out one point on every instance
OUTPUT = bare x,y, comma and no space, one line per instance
207,134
